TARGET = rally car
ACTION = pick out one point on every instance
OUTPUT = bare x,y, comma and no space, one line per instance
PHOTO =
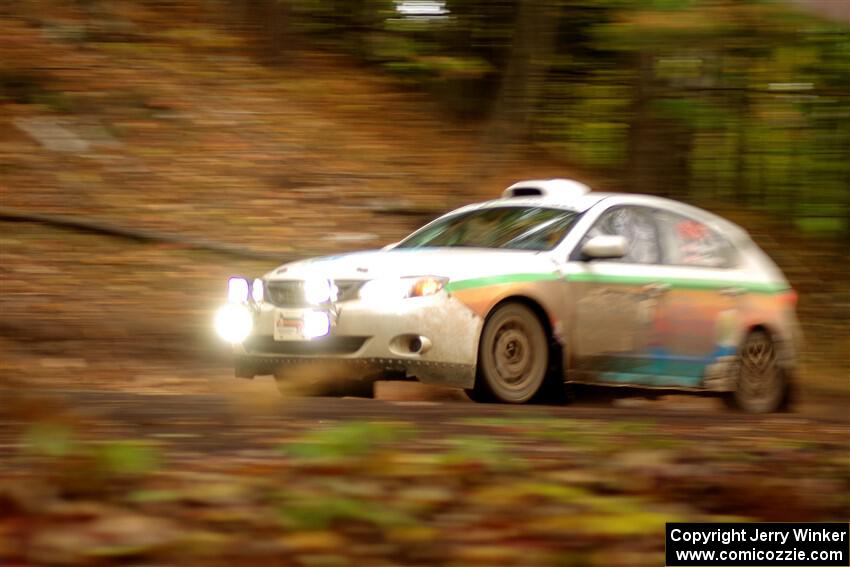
548,285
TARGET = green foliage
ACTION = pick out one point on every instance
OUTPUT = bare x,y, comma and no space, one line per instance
126,458
154,496
482,451
80,463
346,440
694,113
321,512
670,5
50,440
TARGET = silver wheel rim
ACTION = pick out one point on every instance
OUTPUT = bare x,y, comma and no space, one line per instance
513,355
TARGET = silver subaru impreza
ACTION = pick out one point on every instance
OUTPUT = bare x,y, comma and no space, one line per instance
550,284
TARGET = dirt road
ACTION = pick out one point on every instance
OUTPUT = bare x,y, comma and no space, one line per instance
208,413
246,477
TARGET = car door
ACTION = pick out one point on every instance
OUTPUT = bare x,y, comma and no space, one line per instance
700,312
614,325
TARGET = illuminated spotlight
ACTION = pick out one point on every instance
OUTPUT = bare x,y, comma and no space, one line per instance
233,323
237,290
316,324
257,290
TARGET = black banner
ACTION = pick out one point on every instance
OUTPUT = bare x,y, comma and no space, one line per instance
758,544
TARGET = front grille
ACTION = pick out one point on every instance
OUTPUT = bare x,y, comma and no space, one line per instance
286,294
290,293
327,345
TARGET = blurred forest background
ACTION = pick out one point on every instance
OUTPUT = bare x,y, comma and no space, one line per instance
738,101
744,101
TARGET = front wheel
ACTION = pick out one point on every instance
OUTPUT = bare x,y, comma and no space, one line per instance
761,386
513,356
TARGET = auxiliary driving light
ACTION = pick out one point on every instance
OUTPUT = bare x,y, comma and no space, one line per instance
237,290
233,323
257,290
316,324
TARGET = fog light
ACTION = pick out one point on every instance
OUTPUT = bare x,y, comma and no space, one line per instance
316,324
233,323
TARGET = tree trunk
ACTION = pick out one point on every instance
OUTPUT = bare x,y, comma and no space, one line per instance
522,82
640,128
847,196
276,29
742,192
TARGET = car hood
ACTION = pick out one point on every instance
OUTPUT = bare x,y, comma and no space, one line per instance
453,263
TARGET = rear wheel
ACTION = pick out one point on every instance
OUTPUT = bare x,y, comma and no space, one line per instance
513,356
761,383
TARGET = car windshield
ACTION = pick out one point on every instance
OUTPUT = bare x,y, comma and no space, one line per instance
520,228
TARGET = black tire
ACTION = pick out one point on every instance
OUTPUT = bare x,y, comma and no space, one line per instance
513,356
761,384
479,394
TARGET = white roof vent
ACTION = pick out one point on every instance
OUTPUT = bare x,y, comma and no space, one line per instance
559,189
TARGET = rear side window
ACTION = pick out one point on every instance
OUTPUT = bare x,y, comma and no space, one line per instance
637,226
688,242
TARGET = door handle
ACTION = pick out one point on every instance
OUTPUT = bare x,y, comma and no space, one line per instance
732,291
655,289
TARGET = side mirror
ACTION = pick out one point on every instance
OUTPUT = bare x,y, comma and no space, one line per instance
604,246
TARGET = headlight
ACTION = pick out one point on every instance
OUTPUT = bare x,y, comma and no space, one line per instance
233,323
318,290
391,289
257,290
237,290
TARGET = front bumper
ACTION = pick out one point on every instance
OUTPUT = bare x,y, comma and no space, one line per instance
367,338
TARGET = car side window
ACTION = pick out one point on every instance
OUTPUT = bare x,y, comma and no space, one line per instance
637,226
688,242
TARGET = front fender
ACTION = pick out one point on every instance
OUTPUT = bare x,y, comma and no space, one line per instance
482,295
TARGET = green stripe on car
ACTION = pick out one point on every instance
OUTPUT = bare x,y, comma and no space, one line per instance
680,283
677,283
502,279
